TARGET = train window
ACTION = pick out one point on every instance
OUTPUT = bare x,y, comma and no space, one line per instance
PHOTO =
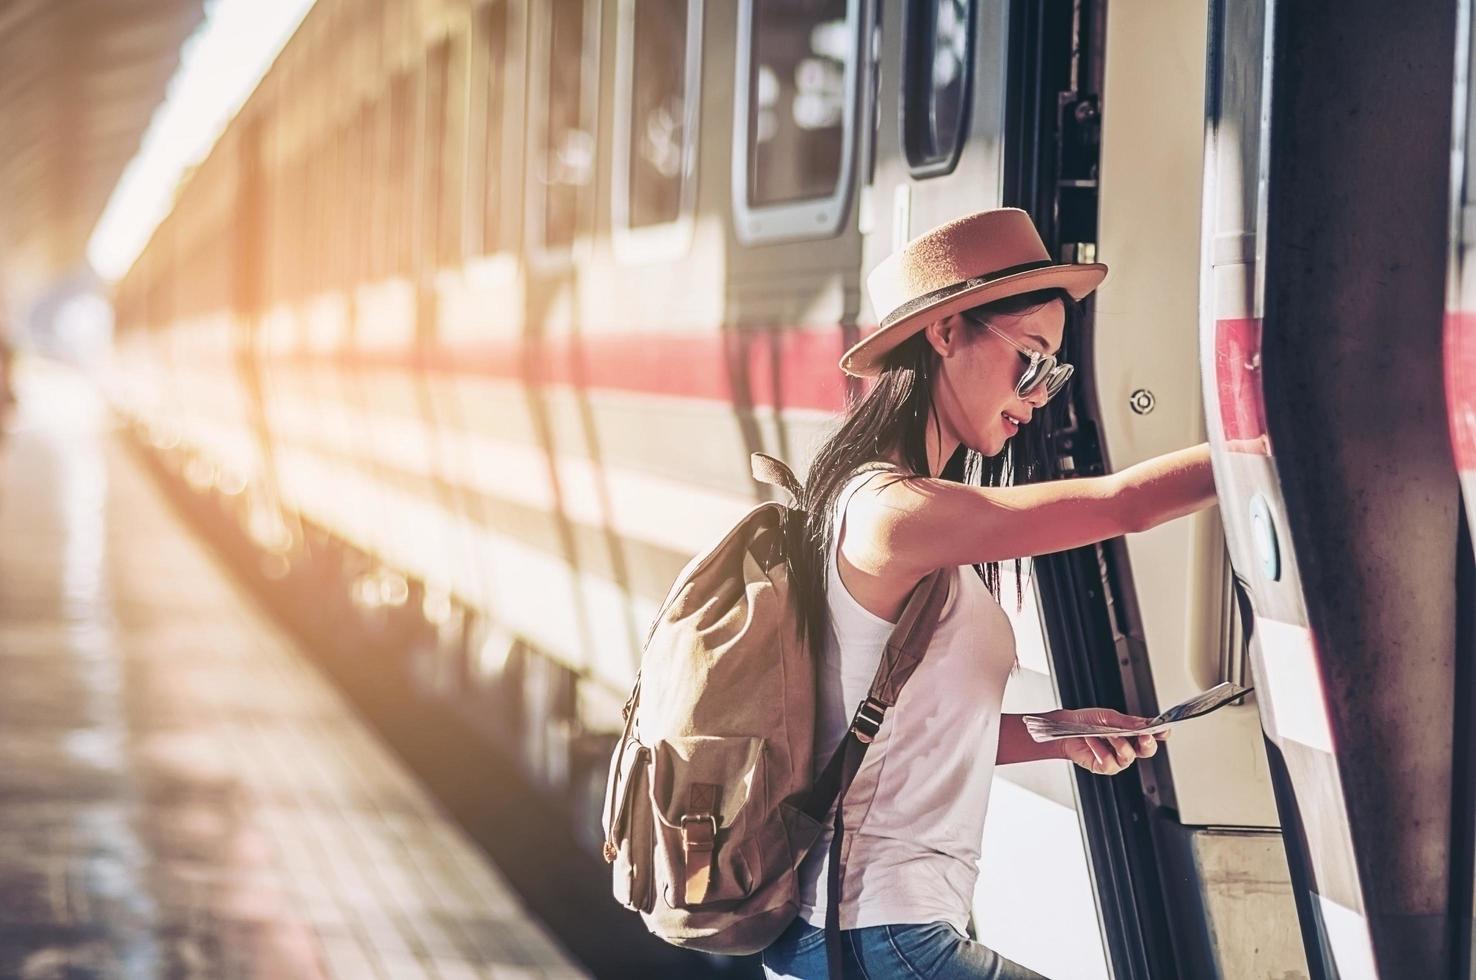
492,28
327,180
329,175
873,93
568,155
402,170
382,201
797,99
306,221
433,144
657,74
274,190
442,144
361,203
335,215
340,216
796,91
453,152
312,188
937,58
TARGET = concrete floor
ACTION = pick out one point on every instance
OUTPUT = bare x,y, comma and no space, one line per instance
181,794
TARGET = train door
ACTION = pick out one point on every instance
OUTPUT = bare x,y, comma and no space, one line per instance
1460,393
1232,286
1340,508
1460,312
1213,829
1105,147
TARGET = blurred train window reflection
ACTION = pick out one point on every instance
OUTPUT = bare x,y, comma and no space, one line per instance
797,99
442,147
938,54
402,168
340,213
568,150
492,32
361,196
316,167
382,244
433,143
657,138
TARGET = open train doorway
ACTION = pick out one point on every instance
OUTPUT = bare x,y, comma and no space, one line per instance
1105,146
1052,169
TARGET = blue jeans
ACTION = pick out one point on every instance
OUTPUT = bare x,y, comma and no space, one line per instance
912,952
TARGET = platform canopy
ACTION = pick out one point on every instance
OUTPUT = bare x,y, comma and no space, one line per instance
80,81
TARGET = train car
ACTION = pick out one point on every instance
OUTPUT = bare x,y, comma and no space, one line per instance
479,307
1322,288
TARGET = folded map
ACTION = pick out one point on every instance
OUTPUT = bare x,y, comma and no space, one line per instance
1048,729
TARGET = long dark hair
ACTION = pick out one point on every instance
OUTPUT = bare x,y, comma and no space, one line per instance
893,417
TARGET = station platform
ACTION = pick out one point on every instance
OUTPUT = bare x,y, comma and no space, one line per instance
181,793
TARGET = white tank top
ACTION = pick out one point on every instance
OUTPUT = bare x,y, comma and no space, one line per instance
914,815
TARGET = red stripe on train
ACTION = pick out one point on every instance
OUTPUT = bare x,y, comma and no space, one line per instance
777,369
1238,378
1460,385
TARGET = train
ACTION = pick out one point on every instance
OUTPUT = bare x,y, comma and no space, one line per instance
475,312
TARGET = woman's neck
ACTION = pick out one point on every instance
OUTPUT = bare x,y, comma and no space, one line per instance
941,447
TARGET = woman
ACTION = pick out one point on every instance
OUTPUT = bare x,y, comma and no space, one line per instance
973,314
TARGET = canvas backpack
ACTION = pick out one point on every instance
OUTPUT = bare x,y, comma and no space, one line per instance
711,801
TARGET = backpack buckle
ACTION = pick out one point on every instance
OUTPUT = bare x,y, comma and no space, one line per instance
699,831
868,720
699,839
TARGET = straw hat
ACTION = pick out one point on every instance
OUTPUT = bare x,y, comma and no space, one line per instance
958,265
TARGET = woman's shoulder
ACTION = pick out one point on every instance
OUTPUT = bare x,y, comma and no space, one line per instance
864,558
872,475
861,488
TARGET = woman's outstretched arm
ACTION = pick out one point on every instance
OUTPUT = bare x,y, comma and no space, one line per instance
909,527
1165,487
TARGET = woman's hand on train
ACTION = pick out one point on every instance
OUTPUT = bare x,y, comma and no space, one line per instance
1106,755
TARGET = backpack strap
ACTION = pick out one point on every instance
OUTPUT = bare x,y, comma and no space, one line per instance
767,469
904,651
628,714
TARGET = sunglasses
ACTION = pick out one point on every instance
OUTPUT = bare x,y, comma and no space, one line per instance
1040,369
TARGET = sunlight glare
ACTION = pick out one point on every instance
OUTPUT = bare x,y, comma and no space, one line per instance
220,64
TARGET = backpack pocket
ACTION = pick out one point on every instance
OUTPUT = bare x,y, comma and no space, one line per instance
709,798
629,827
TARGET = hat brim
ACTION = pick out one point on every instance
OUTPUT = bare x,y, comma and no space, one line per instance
864,360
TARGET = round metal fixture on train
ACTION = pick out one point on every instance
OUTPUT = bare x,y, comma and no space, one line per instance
1263,535
1142,401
